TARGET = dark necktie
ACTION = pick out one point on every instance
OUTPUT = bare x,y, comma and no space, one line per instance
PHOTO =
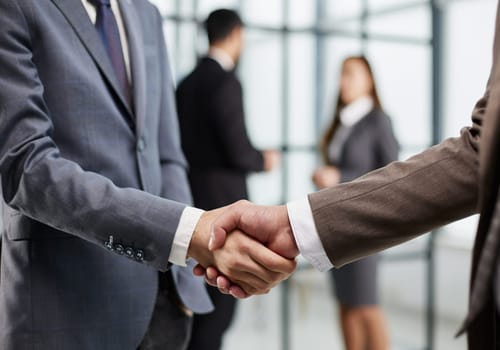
108,31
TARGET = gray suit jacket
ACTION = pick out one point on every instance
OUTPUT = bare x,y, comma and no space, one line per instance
89,184
370,145
452,180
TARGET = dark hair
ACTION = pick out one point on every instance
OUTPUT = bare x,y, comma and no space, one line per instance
328,136
220,23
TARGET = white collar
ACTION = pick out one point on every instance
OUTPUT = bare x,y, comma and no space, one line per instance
222,58
355,111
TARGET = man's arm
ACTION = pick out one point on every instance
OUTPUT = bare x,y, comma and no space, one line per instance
399,202
43,185
384,208
403,200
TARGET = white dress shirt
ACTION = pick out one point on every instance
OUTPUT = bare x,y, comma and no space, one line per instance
222,58
355,111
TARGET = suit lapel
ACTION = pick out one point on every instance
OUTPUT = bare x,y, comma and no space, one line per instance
489,162
490,132
79,20
138,67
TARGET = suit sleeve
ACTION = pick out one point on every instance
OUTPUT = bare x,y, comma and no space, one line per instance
229,123
403,200
41,184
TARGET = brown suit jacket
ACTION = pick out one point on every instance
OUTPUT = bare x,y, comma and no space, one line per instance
450,181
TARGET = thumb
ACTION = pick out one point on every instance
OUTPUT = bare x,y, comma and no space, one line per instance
217,238
228,221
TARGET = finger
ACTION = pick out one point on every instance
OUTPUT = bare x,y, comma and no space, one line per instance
210,282
250,283
238,292
223,284
262,262
272,261
212,272
226,287
215,279
199,270
225,223
211,276
246,272
242,262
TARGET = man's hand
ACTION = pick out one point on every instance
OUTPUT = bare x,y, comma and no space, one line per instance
243,260
271,160
269,225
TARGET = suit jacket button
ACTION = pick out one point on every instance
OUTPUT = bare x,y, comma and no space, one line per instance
141,145
119,249
129,252
109,244
139,255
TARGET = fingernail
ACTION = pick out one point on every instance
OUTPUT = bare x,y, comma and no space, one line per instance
211,241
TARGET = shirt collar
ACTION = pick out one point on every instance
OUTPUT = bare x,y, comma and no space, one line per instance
222,58
355,111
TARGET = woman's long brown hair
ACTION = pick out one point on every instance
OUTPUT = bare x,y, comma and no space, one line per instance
330,132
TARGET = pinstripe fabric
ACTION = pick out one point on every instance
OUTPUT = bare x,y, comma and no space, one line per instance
79,166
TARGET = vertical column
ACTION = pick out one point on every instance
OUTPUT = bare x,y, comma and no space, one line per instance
320,40
285,288
436,138
364,26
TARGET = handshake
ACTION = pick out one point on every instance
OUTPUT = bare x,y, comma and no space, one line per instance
251,248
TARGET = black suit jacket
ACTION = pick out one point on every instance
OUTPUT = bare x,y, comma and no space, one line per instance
214,137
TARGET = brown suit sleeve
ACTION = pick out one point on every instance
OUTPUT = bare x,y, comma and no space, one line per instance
402,200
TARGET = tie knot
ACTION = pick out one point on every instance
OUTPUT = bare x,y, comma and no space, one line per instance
100,3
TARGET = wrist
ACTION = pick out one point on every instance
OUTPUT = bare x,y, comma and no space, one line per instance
289,232
198,247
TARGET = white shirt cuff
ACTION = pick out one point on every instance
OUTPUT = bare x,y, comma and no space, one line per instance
189,218
306,235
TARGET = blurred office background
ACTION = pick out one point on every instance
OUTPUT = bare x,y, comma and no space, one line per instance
431,61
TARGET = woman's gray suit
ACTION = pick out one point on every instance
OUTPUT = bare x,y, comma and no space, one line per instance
367,145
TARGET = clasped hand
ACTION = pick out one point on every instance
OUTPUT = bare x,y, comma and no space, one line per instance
251,248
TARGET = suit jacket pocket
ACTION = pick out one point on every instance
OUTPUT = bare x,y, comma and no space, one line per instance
18,227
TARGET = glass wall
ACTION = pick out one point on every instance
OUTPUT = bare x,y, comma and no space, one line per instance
290,72
290,69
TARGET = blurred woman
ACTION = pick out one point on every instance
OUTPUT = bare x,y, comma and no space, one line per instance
359,140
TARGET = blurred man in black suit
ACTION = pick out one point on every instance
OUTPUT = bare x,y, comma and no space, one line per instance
216,144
